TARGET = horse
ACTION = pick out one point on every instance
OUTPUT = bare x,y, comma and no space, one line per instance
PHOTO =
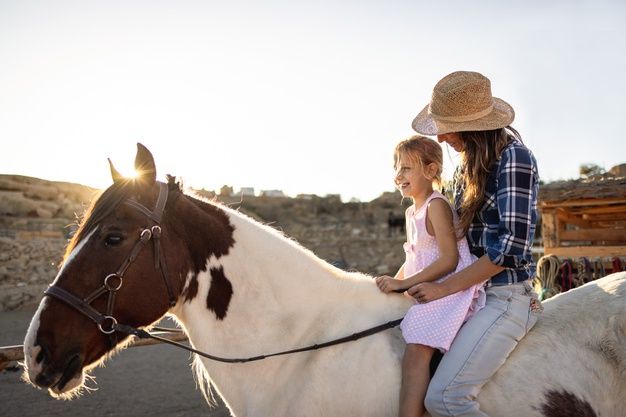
240,289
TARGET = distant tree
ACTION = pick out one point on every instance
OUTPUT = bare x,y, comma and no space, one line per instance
226,191
590,170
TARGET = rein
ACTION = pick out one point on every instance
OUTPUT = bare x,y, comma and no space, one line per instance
107,323
142,334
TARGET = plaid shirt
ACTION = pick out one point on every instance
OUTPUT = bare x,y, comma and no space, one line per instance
504,227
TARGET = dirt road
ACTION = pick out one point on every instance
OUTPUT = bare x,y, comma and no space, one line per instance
150,381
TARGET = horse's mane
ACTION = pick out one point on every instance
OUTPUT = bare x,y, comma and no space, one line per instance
105,203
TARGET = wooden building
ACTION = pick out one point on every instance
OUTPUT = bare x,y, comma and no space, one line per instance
585,217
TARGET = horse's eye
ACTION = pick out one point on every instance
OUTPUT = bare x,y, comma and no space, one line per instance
113,240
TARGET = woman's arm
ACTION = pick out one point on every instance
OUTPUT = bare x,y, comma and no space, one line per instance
478,272
516,198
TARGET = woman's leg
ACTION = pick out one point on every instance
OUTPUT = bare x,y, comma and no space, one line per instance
415,378
479,349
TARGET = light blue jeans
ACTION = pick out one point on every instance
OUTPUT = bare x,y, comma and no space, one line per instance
480,348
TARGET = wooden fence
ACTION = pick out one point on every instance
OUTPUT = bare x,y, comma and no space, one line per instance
9,354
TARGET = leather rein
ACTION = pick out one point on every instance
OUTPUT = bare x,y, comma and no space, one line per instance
107,323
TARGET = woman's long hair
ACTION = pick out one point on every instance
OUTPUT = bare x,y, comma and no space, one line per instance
481,150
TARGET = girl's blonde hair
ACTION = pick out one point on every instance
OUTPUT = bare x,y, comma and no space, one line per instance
423,151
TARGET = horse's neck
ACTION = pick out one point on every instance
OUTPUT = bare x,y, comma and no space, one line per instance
283,297
282,289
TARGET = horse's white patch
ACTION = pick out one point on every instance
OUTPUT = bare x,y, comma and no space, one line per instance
31,351
74,253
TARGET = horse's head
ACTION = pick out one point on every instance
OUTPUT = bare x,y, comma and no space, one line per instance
114,273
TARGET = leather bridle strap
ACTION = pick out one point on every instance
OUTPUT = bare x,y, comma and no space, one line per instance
113,282
156,214
76,302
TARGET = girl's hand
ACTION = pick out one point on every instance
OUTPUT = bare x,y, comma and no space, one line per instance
389,284
427,291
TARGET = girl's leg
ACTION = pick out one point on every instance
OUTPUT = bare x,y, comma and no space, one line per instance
479,349
415,378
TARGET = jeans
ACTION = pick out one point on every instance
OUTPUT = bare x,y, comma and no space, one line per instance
480,348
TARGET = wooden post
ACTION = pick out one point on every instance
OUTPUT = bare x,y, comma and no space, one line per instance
548,229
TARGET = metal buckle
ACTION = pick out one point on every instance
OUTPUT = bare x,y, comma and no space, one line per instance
113,324
146,234
108,285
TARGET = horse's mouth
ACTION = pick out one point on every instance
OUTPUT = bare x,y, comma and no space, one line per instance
60,383
73,371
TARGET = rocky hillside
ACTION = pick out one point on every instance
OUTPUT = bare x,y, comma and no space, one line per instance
37,217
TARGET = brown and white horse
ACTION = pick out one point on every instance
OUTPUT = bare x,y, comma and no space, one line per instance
241,289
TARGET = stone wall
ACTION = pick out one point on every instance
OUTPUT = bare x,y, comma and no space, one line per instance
353,236
37,217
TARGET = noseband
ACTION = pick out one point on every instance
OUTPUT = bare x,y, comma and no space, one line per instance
106,322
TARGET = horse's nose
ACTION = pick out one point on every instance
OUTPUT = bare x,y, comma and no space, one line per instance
40,356
35,358
45,379
57,373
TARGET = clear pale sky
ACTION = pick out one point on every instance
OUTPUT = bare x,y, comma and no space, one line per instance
307,97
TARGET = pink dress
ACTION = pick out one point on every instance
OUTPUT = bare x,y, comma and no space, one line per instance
436,323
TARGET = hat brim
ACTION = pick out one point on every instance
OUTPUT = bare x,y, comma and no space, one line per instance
501,116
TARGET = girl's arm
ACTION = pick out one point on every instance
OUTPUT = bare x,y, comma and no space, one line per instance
400,273
389,284
440,217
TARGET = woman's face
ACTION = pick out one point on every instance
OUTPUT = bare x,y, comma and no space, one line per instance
453,139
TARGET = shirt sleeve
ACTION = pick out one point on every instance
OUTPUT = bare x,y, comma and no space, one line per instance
516,199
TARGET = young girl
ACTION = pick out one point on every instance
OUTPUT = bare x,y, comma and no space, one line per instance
433,251
496,187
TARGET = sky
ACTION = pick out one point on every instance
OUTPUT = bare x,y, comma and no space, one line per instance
302,96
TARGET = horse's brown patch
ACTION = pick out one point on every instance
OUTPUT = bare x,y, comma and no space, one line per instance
208,232
220,293
565,404
191,290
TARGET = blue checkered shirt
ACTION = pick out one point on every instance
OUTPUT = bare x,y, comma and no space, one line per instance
504,227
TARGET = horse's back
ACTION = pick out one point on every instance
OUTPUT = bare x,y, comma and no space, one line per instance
572,361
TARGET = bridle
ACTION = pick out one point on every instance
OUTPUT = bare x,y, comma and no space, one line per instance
108,324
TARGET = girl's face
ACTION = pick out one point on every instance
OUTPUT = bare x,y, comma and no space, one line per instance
453,139
410,178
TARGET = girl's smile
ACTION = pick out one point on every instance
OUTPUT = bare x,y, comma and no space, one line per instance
410,179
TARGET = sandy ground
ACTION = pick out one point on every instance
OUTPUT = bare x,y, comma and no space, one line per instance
145,381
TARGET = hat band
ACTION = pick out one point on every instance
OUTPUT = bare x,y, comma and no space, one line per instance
466,118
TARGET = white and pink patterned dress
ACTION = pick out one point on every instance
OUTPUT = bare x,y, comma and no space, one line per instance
436,323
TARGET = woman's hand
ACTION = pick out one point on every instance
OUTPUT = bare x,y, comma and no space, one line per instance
427,291
389,284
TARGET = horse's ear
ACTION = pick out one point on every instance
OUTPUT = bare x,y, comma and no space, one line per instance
117,177
144,165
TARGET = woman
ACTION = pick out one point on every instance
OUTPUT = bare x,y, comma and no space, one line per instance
496,188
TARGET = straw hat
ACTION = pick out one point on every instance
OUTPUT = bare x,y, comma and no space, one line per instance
462,102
